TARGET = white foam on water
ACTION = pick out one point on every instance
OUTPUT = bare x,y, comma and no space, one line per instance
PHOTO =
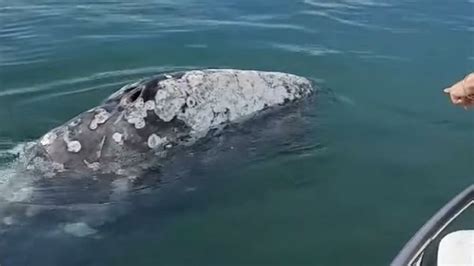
345,100
120,187
22,198
79,229
14,188
8,220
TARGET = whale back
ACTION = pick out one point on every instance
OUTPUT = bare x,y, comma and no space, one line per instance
145,120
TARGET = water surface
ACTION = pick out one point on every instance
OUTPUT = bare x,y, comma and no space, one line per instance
380,150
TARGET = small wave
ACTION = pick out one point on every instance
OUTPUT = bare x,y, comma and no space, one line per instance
116,37
198,45
302,150
216,22
310,50
346,100
95,78
21,62
23,58
290,152
262,17
384,57
13,25
346,4
9,152
351,22
372,55
5,30
338,19
350,12
23,35
366,3
16,149
328,4
40,52
76,91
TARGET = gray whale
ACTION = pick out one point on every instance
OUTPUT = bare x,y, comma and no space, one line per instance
144,121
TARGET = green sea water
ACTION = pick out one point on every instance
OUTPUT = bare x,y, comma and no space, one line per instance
382,148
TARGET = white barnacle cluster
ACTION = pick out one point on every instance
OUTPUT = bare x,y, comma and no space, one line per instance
170,99
57,166
205,99
71,145
74,146
183,98
101,116
155,141
95,166
118,138
75,122
150,105
137,112
48,138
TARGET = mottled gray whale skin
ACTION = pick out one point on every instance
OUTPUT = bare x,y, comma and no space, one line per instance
153,116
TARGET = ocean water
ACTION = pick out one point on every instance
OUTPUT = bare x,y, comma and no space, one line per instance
346,181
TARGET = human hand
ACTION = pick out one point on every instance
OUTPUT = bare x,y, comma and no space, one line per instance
462,93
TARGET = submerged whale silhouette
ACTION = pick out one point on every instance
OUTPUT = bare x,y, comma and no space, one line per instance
145,120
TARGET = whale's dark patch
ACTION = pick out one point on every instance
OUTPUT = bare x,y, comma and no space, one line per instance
184,107
173,127
133,96
117,98
149,91
178,75
160,77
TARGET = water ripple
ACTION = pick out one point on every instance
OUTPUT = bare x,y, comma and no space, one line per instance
213,22
76,91
124,74
328,5
350,22
373,55
346,4
313,50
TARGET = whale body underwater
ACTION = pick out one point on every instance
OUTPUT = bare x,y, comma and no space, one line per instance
146,120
